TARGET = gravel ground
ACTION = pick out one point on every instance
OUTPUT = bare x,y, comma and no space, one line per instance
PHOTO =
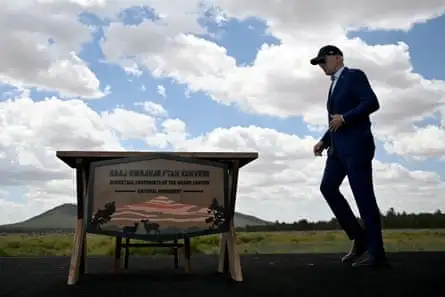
411,274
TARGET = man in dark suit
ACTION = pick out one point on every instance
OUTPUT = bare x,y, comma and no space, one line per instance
351,149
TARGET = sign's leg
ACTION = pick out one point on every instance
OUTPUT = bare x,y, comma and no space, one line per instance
73,274
175,252
78,254
127,252
117,254
83,256
222,263
187,254
229,259
83,190
233,256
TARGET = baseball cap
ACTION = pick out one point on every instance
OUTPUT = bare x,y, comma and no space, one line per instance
327,50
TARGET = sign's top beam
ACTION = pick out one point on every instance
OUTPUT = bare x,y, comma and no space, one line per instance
70,157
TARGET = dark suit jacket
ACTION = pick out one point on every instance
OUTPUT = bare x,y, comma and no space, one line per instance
353,98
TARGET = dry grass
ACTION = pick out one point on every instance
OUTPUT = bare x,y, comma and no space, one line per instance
247,243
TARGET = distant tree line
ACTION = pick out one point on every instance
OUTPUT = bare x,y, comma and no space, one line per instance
35,231
390,220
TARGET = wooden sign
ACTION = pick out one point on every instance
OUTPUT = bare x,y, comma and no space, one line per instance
161,197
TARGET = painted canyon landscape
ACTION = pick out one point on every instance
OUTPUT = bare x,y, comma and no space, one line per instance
159,215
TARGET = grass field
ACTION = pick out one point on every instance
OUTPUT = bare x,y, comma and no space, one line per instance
247,243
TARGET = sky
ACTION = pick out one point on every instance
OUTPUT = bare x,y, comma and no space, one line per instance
218,75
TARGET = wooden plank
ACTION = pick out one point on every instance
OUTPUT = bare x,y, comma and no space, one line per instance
73,274
229,259
84,256
123,154
175,252
187,254
126,246
117,254
80,189
69,157
234,258
134,245
222,252
82,196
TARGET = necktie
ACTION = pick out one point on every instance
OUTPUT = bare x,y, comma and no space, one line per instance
332,84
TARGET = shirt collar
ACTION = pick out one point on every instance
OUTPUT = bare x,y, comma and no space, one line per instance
339,71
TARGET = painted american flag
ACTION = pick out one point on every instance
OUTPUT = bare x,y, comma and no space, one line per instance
160,209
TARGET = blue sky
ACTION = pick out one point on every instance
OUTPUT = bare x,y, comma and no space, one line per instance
234,36
242,40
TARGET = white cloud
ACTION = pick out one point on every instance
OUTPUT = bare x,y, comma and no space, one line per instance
161,90
131,68
129,124
32,131
12,212
284,182
154,109
286,15
281,82
30,60
423,142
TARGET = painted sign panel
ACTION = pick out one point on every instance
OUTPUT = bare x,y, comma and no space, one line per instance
162,197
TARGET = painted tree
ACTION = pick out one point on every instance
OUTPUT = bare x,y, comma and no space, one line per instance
103,215
217,214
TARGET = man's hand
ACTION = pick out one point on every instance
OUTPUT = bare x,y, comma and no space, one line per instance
336,122
318,149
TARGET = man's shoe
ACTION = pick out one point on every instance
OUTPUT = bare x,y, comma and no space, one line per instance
368,260
356,251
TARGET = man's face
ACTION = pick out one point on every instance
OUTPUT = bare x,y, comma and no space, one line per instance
330,64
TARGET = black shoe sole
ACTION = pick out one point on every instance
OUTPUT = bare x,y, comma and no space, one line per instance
351,259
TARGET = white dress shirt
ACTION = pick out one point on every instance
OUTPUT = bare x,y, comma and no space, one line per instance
334,79
335,76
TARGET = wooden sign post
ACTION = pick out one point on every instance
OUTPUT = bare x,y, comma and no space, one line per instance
156,197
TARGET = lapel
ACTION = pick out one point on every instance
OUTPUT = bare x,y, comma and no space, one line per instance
339,87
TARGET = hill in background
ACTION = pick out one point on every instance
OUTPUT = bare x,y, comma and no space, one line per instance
63,218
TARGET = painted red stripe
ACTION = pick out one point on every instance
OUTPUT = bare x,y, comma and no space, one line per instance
153,205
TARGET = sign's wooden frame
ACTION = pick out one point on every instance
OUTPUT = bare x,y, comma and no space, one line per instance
229,260
156,156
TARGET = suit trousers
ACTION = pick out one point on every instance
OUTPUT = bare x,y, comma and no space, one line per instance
359,173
